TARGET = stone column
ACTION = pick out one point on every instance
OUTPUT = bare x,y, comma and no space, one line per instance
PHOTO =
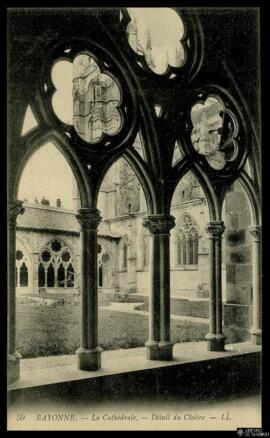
159,345
89,354
13,357
215,337
256,332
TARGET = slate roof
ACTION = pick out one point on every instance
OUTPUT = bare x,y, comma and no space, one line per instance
42,217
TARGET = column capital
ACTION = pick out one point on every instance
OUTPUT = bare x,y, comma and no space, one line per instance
159,223
215,229
255,231
15,208
88,218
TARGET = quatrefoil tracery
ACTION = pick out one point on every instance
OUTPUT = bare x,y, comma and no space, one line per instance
91,98
214,132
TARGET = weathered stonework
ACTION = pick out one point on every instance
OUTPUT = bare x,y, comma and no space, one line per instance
159,223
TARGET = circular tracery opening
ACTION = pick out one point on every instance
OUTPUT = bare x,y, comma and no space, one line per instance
214,132
86,98
156,34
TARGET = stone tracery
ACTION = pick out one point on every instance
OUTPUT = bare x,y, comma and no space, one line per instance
187,242
56,266
156,176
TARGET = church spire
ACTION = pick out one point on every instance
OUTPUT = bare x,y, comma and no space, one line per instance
148,40
148,54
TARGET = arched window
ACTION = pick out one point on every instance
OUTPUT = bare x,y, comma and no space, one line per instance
24,275
186,242
41,275
61,276
56,266
70,276
190,250
21,269
181,249
194,245
184,250
50,276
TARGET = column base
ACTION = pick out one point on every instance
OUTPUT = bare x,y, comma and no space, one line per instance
89,360
256,336
215,342
162,350
165,350
13,367
152,349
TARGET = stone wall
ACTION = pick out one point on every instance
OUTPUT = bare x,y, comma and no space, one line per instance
237,252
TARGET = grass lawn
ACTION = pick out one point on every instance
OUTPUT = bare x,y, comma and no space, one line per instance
48,330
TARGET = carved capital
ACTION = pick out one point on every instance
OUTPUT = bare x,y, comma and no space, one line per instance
159,223
89,218
255,231
15,208
215,229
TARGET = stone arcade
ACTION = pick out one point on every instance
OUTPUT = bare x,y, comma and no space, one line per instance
203,114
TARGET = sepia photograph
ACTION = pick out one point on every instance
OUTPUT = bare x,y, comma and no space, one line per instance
134,260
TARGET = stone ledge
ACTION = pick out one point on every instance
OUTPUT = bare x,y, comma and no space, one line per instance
127,373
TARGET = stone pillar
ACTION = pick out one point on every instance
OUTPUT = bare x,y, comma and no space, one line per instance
89,354
215,337
159,345
13,357
256,332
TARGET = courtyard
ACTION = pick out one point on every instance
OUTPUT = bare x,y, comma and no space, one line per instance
51,326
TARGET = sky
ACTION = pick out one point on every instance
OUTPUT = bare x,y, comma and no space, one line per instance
47,174
166,30
62,75
165,25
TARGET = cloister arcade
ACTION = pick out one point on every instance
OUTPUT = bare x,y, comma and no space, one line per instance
165,105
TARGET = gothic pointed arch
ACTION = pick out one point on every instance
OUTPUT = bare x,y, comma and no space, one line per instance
33,145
